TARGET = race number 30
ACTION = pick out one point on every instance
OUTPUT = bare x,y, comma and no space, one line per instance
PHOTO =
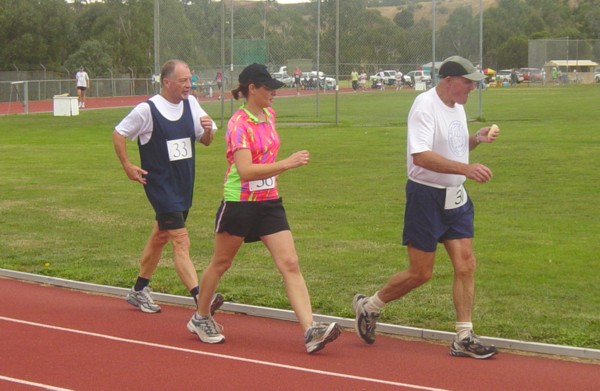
262,184
179,149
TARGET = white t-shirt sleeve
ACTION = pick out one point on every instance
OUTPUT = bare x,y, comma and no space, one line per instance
421,126
137,124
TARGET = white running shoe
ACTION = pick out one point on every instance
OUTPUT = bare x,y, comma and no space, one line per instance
143,300
365,323
206,329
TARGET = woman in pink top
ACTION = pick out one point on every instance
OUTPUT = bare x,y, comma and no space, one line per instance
252,210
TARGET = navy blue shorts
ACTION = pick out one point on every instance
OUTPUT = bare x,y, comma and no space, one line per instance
427,223
252,219
171,220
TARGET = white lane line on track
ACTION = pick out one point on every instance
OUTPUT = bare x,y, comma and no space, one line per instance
33,384
226,357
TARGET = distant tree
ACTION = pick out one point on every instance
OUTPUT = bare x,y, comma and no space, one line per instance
587,17
126,27
94,56
54,32
513,53
34,32
405,19
460,35
419,44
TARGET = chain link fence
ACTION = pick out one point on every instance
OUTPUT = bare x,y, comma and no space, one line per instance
334,37
331,37
564,61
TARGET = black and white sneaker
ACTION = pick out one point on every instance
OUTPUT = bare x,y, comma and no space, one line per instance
472,347
320,334
365,323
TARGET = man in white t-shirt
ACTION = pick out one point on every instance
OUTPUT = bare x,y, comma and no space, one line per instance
438,209
166,127
83,83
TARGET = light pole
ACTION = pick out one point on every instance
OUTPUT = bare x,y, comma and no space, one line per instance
264,20
481,58
433,83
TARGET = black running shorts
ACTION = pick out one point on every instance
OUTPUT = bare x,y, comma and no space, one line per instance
251,219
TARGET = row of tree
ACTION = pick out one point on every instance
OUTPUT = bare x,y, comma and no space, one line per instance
118,35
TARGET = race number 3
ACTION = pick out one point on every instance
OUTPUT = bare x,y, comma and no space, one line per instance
179,149
455,197
262,184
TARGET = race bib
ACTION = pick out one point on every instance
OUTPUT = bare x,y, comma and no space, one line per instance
179,149
262,184
455,197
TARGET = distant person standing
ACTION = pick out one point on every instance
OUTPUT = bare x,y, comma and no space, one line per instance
362,79
513,77
381,80
297,79
83,83
219,81
399,79
195,81
354,78
167,127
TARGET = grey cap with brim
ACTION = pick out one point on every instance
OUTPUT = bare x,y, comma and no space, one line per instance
459,66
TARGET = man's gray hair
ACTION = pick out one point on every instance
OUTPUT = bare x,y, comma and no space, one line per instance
168,69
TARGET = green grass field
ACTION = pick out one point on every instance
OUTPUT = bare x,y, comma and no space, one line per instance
64,200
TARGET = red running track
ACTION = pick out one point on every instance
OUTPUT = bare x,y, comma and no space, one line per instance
56,338
41,106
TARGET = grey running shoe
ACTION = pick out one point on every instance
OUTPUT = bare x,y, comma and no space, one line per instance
365,322
320,334
206,329
472,347
216,303
142,300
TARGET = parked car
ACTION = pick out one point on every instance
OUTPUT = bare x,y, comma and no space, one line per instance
504,75
531,74
597,75
419,76
324,81
283,76
389,78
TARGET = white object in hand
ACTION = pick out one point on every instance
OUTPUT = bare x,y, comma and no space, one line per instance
493,132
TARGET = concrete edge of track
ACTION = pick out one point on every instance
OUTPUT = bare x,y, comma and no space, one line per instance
266,312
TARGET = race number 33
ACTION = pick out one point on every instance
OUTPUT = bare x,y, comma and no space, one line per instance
262,184
179,149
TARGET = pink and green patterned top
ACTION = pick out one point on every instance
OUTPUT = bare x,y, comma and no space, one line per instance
244,131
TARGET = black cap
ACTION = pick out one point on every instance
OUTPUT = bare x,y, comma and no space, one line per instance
258,74
458,66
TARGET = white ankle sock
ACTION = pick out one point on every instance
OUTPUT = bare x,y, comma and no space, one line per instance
374,303
463,329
